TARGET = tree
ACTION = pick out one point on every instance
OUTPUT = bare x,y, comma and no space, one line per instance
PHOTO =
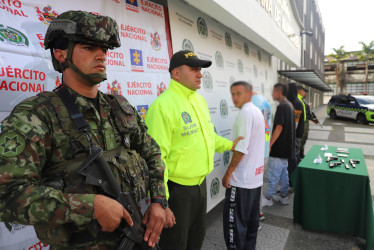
337,58
366,54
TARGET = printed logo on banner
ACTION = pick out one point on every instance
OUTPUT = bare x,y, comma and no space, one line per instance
136,57
226,158
207,81
214,188
142,110
58,82
156,41
47,15
132,5
202,28
186,118
240,66
224,108
255,72
12,228
114,88
219,60
231,80
246,49
12,36
13,7
228,40
161,88
187,45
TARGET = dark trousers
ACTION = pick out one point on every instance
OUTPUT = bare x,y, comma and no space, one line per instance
241,217
188,204
294,162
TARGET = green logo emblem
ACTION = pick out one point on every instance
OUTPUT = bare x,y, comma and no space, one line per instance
246,49
224,108
255,72
231,80
214,188
226,158
13,36
219,60
228,40
186,117
207,81
187,45
240,66
11,144
202,28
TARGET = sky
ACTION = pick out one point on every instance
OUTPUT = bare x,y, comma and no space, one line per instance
346,23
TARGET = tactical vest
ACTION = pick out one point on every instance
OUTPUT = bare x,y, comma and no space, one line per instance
129,168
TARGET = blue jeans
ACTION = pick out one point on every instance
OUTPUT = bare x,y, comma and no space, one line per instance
277,172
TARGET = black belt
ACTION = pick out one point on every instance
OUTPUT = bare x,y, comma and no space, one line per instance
84,237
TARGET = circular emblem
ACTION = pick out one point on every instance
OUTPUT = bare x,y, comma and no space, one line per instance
231,80
207,81
224,108
259,55
214,188
246,49
202,28
219,60
226,158
187,45
13,36
11,144
228,40
255,72
240,66
186,117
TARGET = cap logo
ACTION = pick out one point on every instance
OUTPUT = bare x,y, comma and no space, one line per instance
189,54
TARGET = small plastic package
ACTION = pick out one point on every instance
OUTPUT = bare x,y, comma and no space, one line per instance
318,160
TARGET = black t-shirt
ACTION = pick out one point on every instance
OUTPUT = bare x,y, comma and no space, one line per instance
283,147
95,102
299,117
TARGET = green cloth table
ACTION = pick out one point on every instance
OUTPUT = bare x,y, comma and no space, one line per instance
334,199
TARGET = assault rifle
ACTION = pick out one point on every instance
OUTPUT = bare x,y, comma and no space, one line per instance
97,172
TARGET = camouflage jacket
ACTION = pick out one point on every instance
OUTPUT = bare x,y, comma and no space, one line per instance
34,140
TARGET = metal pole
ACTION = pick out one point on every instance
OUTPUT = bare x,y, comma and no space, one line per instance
302,52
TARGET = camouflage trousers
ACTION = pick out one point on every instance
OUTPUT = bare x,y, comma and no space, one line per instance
305,137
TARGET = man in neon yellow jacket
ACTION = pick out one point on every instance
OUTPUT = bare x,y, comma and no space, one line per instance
180,122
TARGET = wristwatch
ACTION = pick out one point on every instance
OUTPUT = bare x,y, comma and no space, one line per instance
162,201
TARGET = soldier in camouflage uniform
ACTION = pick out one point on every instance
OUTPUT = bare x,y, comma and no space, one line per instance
41,149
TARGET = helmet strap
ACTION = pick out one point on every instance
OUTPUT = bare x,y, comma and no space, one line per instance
68,63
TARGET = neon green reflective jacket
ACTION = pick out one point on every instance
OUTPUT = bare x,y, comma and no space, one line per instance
180,122
302,101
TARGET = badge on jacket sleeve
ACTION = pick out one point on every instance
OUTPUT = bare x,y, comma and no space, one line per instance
11,144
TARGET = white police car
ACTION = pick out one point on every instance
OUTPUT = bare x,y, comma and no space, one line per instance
357,107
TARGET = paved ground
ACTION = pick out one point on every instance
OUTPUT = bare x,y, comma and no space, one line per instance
278,231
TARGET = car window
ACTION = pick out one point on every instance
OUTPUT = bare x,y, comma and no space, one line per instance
365,99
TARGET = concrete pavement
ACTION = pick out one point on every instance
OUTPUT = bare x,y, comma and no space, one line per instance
278,230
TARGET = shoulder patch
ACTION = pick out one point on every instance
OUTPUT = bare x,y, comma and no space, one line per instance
11,144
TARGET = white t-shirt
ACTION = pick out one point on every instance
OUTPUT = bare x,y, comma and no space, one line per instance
250,124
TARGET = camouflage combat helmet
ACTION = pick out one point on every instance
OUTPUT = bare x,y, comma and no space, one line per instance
81,26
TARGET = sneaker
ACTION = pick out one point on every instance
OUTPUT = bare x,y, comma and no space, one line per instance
259,227
262,216
283,200
265,202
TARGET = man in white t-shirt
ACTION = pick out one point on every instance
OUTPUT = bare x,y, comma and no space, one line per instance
244,176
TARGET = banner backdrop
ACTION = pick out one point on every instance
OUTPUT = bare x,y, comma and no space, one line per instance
234,58
138,69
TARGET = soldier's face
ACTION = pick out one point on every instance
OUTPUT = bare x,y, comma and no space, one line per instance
188,76
89,59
